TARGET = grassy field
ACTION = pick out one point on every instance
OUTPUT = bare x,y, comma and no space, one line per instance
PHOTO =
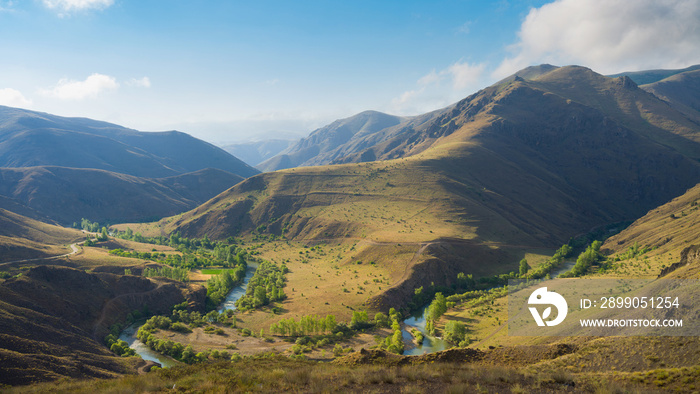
211,271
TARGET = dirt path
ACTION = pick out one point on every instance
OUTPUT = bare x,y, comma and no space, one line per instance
74,250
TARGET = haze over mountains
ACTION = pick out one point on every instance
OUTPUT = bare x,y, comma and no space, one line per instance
325,144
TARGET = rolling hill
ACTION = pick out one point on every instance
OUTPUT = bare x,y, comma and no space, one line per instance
520,165
66,195
30,139
25,238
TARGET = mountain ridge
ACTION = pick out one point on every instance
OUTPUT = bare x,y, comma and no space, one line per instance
320,145
30,138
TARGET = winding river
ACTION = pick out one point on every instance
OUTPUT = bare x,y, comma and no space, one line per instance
146,353
418,320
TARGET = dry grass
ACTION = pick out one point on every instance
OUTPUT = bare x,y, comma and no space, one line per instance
279,374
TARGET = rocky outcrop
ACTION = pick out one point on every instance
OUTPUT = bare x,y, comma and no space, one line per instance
689,255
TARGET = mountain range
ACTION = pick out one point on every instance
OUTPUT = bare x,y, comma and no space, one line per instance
526,163
359,143
63,169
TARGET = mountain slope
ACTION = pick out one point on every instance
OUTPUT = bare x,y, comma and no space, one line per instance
681,91
652,76
670,230
51,320
619,99
320,147
25,238
68,194
29,138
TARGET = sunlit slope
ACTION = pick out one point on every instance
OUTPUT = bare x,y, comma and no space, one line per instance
671,231
618,99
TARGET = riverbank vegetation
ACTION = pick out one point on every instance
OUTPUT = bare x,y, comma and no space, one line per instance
266,286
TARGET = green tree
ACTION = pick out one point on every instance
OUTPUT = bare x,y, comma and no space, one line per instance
359,319
455,331
524,267
260,297
103,236
381,320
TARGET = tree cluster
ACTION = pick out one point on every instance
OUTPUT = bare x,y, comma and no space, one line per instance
307,325
266,286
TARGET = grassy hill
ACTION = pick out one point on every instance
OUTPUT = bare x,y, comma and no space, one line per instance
24,238
671,232
53,320
66,195
29,139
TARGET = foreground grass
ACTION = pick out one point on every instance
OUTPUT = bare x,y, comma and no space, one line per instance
280,374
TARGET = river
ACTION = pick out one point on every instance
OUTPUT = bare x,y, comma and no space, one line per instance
430,344
129,336
238,291
129,333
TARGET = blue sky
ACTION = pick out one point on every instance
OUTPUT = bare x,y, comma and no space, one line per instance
239,70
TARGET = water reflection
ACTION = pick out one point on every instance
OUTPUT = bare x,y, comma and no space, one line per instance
129,336
430,344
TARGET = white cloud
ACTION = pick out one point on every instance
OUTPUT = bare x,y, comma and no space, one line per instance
465,28
7,6
465,75
77,5
440,88
144,82
91,87
608,35
13,98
